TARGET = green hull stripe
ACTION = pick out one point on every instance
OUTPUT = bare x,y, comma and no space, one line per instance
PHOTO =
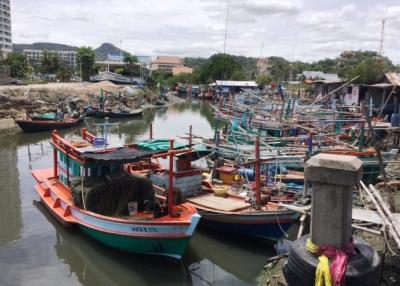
161,246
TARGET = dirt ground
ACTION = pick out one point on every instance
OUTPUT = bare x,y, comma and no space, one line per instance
17,100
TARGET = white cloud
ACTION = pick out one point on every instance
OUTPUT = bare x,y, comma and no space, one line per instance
307,30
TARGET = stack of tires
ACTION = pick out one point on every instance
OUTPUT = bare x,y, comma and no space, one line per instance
363,269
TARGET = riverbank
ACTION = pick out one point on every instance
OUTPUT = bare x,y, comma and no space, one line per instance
15,100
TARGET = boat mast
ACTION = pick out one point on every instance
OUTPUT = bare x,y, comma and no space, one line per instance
171,178
258,173
55,159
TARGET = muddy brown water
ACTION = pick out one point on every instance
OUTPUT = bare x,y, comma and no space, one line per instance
36,250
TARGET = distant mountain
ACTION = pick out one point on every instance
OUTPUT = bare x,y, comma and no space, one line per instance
43,46
106,49
102,52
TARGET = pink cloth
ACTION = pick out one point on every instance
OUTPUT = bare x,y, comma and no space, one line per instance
339,260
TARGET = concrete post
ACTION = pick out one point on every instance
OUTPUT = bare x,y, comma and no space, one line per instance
333,178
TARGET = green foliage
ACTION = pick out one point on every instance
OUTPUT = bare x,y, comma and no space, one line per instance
131,68
64,73
264,80
220,67
370,71
85,58
348,64
249,66
182,78
131,59
194,63
50,63
18,64
119,70
280,68
157,77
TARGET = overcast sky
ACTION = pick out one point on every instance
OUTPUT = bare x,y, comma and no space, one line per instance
305,30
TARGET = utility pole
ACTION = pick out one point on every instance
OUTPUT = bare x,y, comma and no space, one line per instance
382,38
120,50
226,25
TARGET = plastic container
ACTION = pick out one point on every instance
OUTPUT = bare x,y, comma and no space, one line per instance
220,191
132,208
99,142
226,174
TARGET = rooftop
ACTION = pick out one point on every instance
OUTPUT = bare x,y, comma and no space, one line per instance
393,78
236,83
168,60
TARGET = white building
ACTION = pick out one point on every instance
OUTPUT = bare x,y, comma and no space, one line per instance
66,57
5,27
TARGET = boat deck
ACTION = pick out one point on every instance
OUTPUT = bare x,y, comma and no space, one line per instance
227,204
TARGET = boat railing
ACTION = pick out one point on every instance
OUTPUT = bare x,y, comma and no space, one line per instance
87,135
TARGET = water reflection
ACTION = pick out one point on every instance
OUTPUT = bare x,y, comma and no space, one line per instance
95,264
10,203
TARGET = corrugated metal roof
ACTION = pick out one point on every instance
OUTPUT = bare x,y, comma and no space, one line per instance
338,80
380,85
393,78
236,83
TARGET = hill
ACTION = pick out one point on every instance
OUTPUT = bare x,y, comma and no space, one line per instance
106,49
43,46
102,51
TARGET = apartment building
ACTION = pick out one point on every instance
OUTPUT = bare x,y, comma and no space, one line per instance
5,27
66,57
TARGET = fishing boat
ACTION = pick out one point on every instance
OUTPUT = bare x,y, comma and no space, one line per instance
92,111
221,207
44,116
87,188
30,125
124,113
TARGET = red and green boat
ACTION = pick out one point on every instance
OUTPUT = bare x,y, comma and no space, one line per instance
88,188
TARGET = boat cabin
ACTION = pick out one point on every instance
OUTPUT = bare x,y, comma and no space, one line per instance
94,173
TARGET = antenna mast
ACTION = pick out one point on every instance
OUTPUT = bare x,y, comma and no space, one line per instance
382,38
226,26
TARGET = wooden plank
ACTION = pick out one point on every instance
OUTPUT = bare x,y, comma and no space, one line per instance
219,203
367,216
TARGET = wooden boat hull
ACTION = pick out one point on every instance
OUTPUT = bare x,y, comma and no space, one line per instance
166,238
161,246
124,114
271,226
46,125
110,114
96,114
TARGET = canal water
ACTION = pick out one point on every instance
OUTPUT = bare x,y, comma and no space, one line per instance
36,250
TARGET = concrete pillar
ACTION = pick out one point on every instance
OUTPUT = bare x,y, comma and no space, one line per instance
333,178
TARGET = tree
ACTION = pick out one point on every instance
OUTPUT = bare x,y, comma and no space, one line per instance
64,73
370,71
130,59
131,68
264,80
280,68
220,67
157,77
119,71
18,64
86,59
50,63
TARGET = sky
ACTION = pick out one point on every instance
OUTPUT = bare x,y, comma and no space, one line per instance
306,30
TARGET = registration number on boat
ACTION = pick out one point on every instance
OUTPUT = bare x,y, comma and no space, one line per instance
144,229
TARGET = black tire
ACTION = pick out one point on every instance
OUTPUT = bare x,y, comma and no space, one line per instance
362,269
